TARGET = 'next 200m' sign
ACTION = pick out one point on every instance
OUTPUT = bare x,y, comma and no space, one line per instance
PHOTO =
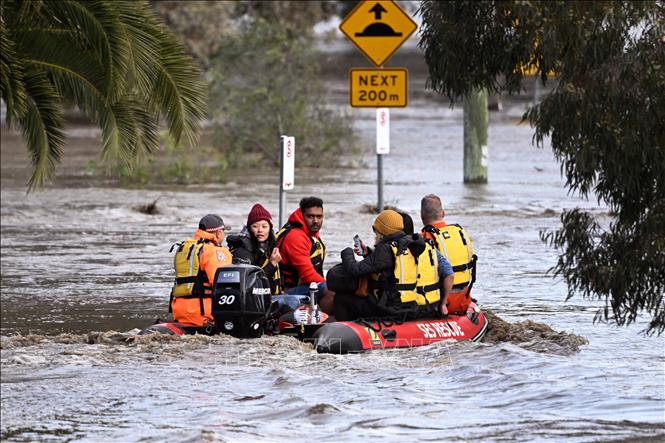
387,88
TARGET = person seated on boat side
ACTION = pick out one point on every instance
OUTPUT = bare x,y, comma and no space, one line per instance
255,245
455,244
303,252
406,275
196,262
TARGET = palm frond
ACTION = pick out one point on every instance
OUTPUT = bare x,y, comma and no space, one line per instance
147,123
48,52
42,127
140,30
114,60
96,29
128,129
12,90
179,92
120,135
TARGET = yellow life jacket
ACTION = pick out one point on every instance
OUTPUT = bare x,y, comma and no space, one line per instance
455,244
417,277
277,278
189,278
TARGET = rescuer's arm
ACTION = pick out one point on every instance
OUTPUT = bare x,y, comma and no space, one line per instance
212,258
446,277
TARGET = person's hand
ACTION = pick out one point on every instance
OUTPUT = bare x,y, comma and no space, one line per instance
361,252
275,257
346,251
444,310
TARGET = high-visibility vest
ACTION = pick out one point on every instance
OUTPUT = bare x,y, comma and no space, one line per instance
190,280
455,245
189,277
417,277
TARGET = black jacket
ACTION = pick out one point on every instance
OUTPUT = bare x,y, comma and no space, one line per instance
380,261
247,250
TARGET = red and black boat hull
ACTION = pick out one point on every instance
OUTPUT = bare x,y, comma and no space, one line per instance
353,336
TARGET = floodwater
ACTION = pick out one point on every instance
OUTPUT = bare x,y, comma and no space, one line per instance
83,271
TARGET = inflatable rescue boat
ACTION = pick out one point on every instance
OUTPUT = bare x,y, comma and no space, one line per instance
239,309
356,336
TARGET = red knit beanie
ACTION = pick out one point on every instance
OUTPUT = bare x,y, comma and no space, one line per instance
258,213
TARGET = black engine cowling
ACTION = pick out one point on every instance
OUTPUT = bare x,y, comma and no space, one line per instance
241,300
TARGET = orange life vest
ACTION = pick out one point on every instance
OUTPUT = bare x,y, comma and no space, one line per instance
196,262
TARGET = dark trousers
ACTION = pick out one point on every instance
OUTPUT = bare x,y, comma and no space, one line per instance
351,307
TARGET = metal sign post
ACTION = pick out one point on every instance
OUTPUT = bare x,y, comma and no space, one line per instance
287,148
382,148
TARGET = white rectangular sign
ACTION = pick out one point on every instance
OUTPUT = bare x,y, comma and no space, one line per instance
289,162
382,130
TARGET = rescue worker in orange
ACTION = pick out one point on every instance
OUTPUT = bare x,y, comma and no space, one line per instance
455,245
196,262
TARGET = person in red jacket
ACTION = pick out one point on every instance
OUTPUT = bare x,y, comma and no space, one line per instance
303,252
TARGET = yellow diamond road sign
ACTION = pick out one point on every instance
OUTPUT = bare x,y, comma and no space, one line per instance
378,28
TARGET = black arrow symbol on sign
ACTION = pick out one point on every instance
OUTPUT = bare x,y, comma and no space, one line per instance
377,9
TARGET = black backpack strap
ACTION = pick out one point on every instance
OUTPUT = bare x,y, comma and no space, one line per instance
191,249
431,229
474,259
461,234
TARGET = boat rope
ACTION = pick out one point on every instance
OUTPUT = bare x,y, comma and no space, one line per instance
381,322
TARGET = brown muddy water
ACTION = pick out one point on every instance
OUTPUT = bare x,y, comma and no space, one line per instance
83,271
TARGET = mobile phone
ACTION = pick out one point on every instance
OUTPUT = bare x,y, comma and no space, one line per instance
358,243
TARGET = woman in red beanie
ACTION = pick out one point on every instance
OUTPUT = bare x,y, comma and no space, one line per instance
255,245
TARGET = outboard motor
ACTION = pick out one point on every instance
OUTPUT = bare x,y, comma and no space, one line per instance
241,300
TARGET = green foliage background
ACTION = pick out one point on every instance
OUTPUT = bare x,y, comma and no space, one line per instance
604,118
265,82
263,73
